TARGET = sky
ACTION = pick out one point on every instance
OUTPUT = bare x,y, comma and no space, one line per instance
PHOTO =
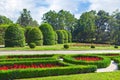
12,8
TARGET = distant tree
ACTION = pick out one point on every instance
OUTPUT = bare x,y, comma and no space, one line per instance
25,19
5,20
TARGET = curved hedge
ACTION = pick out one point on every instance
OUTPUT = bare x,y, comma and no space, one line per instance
56,38
48,34
60,36
100,64
35,36
65,36
14,37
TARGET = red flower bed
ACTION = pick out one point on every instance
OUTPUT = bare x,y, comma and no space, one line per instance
112,54
87,58
22,66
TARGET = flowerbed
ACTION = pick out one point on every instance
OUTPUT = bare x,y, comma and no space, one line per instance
23,66
87,58
99,61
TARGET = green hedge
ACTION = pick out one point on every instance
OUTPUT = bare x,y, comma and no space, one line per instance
60,36
100,64
65,36
35,36
119,66
48,34
32,73
14,36
69,37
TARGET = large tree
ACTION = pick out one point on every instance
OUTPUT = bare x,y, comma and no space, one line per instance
85,30
25,19
5,20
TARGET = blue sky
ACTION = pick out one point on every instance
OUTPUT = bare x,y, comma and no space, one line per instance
12,8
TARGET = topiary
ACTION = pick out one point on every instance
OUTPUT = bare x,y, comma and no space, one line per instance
32,45
66,46
48,33
92,46
14,36
65,36
60,36
115,46
69,37
35,36
56,37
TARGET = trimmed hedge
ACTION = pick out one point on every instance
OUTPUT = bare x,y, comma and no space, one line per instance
14,37
56,38
48,34
27,29
100,64
65,36
69,37
35,36
60,36
119,66
30,73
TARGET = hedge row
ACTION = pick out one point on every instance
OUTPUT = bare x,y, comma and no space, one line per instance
30,73
100,64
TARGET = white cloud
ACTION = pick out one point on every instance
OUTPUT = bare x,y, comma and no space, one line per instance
107,5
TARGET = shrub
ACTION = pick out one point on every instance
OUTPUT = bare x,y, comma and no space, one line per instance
66,46
60,36
115,46
56,38
65,36
69,37
27,29
32,45
14,37
48,34
35,36
92,46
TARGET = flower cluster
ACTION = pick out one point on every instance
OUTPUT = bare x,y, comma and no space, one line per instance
23,66
88,58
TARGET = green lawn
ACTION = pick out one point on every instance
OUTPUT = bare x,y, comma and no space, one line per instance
73,46
90,76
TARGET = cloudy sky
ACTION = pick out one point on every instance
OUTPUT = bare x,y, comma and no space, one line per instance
12,8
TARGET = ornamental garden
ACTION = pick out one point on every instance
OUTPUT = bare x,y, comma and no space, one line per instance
32,66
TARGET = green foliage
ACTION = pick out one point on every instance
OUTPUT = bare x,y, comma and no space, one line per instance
100,64
32,45
26,73
92,46
60,36
65,36
14,37
48,33
27,29
69,37
66,46
115,46
5,20
35,36
56,38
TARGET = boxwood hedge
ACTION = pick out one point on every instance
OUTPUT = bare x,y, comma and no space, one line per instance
100,64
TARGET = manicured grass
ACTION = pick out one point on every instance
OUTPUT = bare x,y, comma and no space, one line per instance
90,76
73,46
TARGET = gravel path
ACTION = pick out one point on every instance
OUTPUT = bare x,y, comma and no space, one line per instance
57,52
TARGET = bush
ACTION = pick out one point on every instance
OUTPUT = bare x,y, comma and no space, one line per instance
115,46
27,29
48,34
66,46
56,38
69,37
100,64
32,73
60,36
35,36
14,37
32,45
92,46
65,36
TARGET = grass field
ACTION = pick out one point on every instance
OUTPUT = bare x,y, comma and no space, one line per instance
73,46
90,76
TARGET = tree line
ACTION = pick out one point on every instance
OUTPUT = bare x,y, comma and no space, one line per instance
92,26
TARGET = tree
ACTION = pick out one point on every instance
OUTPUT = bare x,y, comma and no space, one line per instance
85,30
14,37
25,19
35,36
5,20
48,34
